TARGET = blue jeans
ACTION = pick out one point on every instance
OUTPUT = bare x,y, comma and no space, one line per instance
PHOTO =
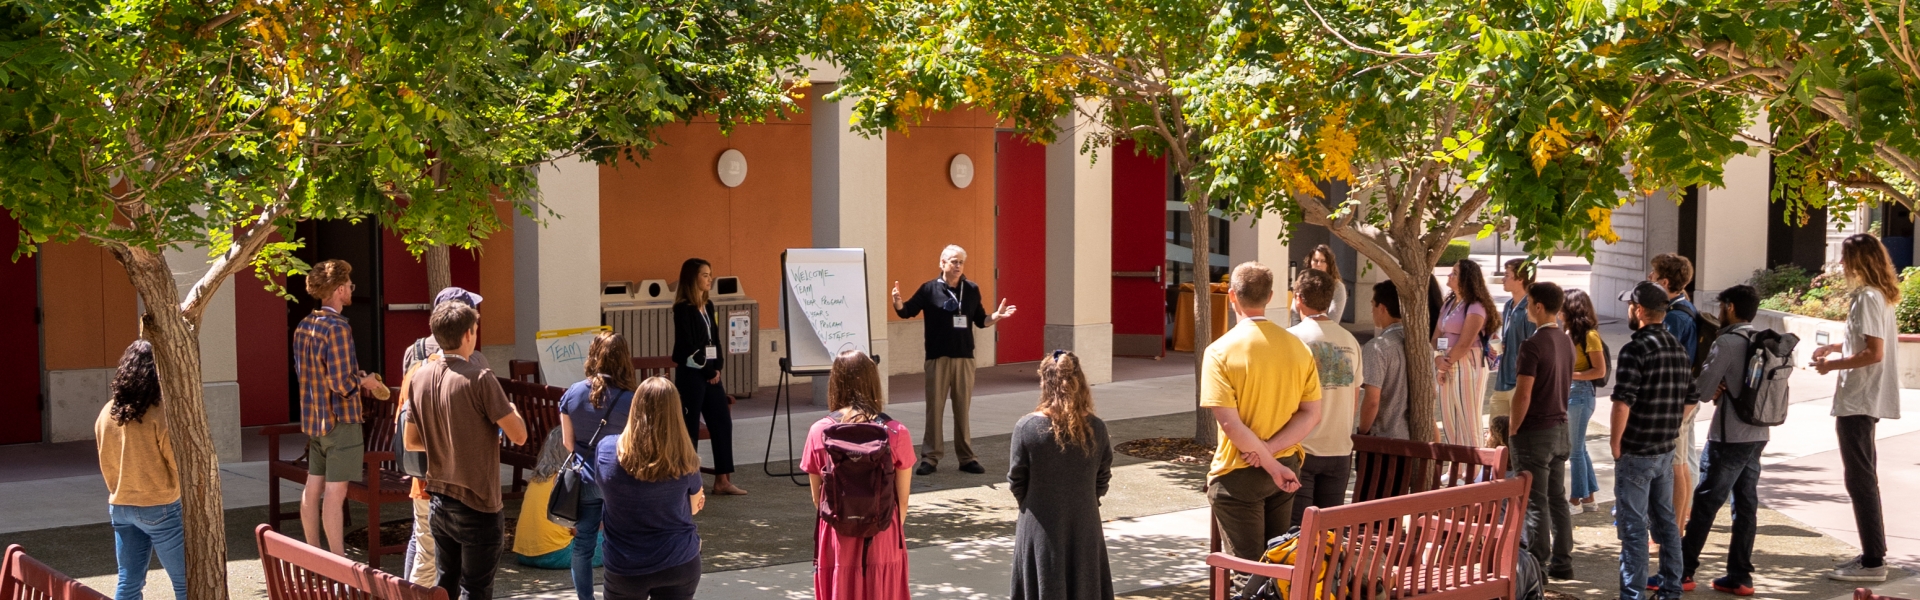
1643,502
1580,405
586,540
138,533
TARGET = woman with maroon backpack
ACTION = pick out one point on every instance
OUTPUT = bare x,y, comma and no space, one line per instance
860,548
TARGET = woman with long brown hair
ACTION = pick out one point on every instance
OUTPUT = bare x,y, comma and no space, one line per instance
1869,391
1321,259
847,567
1467,319
1060,465
1589,366
650,478
697,359
601,403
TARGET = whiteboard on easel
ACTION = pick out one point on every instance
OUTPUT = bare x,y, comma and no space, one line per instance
824,310
563,354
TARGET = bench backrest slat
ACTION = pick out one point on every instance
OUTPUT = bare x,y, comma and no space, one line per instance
296,571
1458,542
1386,468
540,406
23,578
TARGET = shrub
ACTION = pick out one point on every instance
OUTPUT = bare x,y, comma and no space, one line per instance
1456,250
1780,279
1788,288
1907,312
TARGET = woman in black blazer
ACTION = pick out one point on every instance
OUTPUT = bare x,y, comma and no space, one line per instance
698,355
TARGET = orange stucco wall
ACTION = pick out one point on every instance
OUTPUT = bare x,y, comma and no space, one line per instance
89,306
495,257
925,212
657,212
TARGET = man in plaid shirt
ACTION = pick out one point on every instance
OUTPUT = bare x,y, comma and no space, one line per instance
1654,385
330,385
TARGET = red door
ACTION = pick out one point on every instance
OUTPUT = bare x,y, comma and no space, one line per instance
1020,201
263,344
405,303
1139,253
19,342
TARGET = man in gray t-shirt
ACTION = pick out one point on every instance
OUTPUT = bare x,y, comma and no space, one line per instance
1383,385
1731,463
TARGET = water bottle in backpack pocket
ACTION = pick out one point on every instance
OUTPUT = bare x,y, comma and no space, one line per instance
1769,365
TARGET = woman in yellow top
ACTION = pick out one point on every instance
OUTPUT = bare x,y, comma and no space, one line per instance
540,543
143,483
1589,365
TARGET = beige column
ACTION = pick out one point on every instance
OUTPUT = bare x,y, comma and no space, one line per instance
556,263
1079,248
1733,224
850,211
1251,238
219,357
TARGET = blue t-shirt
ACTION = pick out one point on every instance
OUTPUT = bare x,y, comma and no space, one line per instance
577,406
1682,326
648,524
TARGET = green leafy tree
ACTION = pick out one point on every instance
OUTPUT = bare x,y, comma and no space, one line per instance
1112,64
1402,125
146,125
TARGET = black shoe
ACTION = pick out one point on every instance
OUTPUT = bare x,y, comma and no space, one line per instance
973,466
925,469
1561,575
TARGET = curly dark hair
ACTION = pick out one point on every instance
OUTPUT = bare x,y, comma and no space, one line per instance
136,386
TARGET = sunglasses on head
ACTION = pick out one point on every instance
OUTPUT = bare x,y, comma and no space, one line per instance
1057,353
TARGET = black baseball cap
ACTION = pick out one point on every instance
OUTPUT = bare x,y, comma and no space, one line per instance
1648,295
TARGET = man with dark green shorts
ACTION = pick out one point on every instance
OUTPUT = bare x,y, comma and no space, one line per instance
330,385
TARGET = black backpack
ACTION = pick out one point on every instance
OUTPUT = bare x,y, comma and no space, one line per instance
1769,365
1705,331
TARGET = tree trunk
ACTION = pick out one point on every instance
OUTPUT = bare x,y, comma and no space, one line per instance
1199,219
1422,384
439,270
176,357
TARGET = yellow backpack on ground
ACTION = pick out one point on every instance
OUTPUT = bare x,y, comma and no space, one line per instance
1282,551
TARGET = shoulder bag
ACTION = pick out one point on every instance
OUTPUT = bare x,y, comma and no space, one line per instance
563,505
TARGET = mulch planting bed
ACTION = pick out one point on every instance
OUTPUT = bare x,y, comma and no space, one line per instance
1175,450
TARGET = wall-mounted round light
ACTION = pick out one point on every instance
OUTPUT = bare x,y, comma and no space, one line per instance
960,171
732,168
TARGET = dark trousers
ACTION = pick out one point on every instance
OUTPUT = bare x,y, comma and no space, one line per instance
671,583
1726,470
1544,453
709,400
466,546
1323,483
1858,459
1249,509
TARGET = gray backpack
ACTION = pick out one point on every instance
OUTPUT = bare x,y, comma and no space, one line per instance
1769,366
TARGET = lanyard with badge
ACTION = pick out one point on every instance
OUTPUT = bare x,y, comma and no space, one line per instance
954,304
712,351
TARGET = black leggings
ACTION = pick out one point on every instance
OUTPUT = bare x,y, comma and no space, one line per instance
709,400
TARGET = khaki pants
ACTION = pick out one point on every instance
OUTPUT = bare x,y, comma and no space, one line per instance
948,377
421,555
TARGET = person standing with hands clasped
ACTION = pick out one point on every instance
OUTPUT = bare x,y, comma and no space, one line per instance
1650,397
1264,390
1869,391
1466,320
697,361
330,387
1537,427
953,308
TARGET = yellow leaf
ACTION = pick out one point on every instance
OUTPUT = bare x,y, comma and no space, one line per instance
1548,143
1602,225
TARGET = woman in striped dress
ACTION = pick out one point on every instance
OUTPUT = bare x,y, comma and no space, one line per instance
1467,319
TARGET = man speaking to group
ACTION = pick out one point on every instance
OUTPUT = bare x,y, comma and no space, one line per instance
953,309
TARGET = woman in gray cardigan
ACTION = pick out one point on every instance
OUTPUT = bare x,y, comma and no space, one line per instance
1061,463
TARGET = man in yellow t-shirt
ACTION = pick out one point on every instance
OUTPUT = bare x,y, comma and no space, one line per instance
1264,390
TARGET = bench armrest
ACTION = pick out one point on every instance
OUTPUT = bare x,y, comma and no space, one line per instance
273,433
1222,560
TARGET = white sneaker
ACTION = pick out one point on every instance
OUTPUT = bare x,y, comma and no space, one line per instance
1853,571
1590,507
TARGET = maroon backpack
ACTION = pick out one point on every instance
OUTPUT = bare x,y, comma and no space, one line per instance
857,493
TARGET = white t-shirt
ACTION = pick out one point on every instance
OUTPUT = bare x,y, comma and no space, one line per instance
1337,356
1872,390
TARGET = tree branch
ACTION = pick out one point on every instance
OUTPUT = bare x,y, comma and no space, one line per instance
238,256
1357,47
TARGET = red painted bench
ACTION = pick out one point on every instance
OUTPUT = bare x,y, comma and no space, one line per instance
296,571
1867,594
1457,543
23,578
380,483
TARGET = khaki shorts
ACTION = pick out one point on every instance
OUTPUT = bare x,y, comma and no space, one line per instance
1501,404
337,455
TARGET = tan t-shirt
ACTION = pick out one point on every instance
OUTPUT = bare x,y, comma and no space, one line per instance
1263,372
1337,356
458,406
136,458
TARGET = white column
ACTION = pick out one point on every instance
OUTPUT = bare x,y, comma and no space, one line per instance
1732,224
1258,239
850,211
219,355
1080,248
556,264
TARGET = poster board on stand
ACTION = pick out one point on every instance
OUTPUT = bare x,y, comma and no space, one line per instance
823,308
563,354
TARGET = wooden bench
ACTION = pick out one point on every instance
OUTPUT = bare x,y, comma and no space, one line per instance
296,571
1867,594
380,483
1456,543
23,578
539,407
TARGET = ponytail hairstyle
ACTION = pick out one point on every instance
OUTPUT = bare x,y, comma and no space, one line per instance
136,385
609,363
655,446
1067,401
1865,261
854,386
